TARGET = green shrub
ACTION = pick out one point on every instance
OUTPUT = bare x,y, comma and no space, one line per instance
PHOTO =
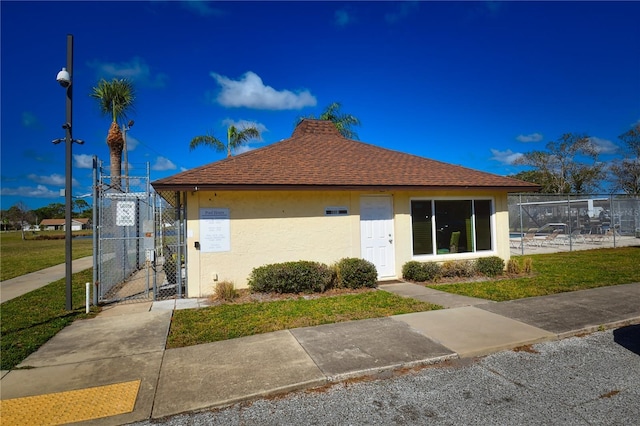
527,265
458,268
50,237
490,266
420,271
291,277
356,273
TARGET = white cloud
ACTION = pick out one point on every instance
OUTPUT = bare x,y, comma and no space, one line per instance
405,9
341,18
493,7
135,70
54,179
505,157
163,164
39,191
132,143
46,157
532,137
83,161
244,148
604,146
202,8
243,124
30,120
250,92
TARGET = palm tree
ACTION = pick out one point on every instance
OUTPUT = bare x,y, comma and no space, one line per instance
235,138
116,98
343,122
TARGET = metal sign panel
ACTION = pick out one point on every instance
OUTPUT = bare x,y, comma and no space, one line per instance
126,213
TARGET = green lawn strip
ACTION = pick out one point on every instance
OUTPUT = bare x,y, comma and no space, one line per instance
558,273
19,257
30,320
197,326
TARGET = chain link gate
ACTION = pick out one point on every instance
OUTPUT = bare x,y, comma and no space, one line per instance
170,250
139,239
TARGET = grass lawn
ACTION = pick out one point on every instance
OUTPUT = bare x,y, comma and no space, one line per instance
196,326
558,273
30,320
19,257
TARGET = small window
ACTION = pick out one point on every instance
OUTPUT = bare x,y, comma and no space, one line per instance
336,211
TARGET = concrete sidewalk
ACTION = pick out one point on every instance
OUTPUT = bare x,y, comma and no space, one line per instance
10,289
127,343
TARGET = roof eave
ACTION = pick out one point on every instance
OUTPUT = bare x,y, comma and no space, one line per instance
290,187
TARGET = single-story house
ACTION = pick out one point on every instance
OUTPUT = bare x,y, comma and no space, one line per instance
319,196
77,224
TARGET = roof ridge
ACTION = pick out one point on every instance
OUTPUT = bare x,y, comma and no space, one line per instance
314,126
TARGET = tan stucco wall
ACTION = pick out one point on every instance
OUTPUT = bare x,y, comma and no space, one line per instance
279,226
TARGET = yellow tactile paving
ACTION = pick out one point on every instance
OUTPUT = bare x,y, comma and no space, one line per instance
71,406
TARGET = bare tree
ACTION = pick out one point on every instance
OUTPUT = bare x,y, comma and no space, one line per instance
20,216
569,165
626,172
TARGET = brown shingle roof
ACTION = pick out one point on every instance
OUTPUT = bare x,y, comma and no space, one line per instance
60,222
318,157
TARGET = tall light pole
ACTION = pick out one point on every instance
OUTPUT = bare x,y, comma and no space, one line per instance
125,129
64,78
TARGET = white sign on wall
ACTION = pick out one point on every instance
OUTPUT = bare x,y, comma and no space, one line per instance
214,230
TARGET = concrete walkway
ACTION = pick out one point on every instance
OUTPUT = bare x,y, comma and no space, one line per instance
426,294
127,343
10,289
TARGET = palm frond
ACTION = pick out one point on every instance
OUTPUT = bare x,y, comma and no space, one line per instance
207,140
115,98
343,122
237,137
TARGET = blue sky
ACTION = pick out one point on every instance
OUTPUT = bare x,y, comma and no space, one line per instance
470,83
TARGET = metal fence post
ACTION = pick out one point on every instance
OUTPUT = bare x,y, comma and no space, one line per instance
521,227
96,230
569,222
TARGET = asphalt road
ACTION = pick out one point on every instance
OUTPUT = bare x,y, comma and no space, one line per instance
590,380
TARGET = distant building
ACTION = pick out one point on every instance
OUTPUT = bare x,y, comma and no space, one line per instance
77,224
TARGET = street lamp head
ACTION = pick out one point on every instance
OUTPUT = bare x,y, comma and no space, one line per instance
64,78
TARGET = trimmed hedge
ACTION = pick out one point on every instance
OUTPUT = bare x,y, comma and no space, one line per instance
420,271
490,266
353,272
291,277
458,268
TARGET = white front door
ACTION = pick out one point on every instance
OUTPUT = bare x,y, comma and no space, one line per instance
376,233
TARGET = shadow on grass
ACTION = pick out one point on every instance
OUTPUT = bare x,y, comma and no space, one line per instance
628,337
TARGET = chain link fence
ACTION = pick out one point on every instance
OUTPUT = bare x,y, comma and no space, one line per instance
170,252
541,223
138,240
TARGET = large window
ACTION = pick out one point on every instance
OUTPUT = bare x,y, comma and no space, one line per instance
451,226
